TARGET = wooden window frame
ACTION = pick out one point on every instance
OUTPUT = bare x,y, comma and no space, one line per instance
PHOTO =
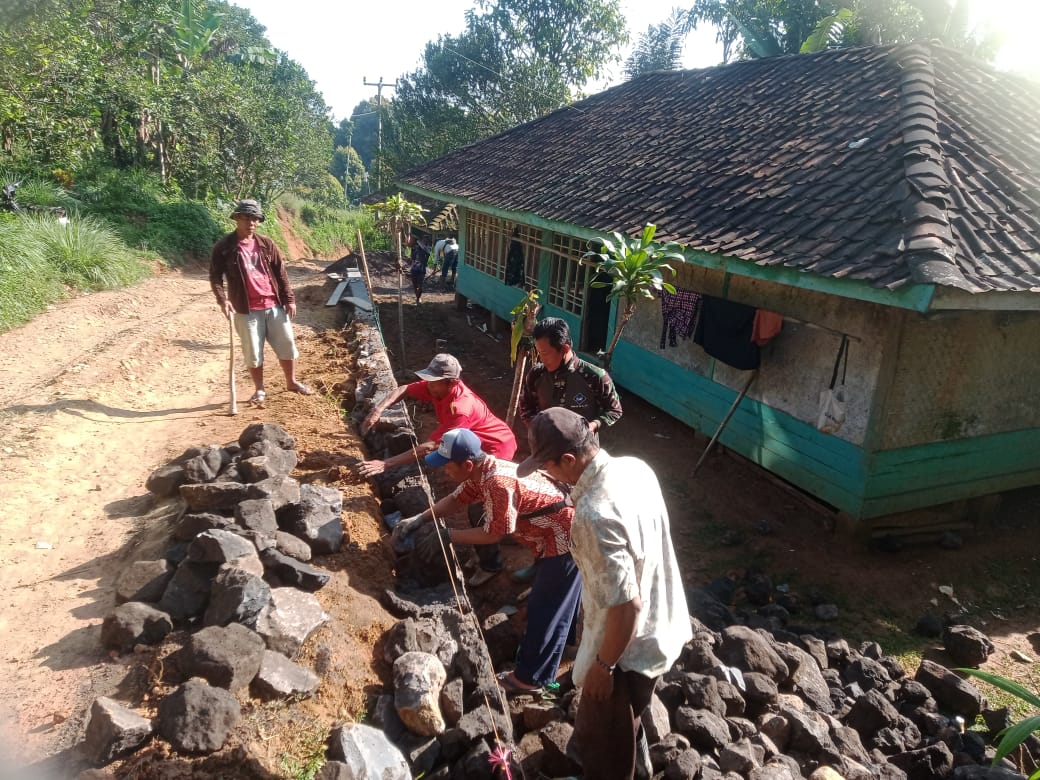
569,274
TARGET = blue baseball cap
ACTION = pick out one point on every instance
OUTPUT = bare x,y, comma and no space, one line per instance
457,446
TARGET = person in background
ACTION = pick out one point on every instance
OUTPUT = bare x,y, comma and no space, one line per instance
420,260
258,297
564,379
456,406
636,620
535,511
451,262
438,254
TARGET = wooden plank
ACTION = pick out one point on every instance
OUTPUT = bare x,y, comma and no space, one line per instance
337,293
876,506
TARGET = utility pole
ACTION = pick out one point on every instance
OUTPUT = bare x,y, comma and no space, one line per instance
379,126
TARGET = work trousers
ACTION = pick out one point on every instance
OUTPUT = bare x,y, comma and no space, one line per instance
552,609
606,731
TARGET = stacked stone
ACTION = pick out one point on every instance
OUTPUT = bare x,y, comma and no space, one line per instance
753,696
237,571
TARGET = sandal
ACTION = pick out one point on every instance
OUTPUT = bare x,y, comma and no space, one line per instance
258,397
302,389
513,687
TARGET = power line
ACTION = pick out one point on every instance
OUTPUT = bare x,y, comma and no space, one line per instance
505,78
379,137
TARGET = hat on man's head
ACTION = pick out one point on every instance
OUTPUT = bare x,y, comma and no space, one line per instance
443,366
457,446
553,433
250,208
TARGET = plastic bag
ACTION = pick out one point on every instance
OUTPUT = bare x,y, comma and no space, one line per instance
832,409
834,400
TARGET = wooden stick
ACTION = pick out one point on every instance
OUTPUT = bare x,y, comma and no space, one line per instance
725,420
233,407
518,382
364,265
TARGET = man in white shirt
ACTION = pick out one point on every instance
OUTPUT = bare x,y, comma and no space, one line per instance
636,619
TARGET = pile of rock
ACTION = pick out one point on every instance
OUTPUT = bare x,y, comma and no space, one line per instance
236,575
755,697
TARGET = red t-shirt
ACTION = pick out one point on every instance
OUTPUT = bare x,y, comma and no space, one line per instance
259,288
462,408
506,497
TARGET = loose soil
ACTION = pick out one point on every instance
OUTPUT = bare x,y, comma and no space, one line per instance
101,389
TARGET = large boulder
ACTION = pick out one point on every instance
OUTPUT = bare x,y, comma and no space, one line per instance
418,679
197,718
228,657
368,754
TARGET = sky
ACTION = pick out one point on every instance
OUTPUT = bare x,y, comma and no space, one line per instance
343,45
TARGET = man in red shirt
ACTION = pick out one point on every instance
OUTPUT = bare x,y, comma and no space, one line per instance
258,298
535,511
456,406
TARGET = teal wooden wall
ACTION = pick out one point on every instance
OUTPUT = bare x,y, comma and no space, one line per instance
872,476
826,466
940,472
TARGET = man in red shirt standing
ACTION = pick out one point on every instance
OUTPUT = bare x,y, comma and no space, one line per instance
535,511
258,298
456,406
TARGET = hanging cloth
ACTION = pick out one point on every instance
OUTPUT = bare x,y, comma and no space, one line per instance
515,264
724,330
767,325
679,313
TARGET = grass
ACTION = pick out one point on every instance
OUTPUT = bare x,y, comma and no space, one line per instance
40,259
308,751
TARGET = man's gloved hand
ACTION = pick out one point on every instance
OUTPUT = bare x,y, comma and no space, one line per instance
403,529
429,548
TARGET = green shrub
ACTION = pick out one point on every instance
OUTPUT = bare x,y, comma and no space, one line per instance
85,253
27,282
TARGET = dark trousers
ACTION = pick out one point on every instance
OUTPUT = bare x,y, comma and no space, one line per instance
605,731
552,609
489,555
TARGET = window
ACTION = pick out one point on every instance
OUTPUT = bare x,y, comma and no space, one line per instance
531,240
568,274
488,240
486,244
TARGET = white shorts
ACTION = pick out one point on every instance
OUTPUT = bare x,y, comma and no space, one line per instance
271,325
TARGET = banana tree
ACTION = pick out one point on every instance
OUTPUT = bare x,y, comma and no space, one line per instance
636,269
396,215
524,315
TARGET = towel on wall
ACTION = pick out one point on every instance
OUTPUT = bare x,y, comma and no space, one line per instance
724,331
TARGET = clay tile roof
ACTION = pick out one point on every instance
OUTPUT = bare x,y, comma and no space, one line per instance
896,165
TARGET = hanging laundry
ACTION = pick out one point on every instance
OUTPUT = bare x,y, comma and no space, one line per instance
679,312
724,330
515,261
767,325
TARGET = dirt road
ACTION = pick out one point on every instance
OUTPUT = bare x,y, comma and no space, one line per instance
97,392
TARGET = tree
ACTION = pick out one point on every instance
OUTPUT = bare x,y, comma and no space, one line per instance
635,267
348,169
365,138
515,61
660,47
766,28
396,216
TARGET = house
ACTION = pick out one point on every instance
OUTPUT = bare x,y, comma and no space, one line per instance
886,195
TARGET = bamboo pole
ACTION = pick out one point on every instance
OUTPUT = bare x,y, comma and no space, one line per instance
733,408
364,266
